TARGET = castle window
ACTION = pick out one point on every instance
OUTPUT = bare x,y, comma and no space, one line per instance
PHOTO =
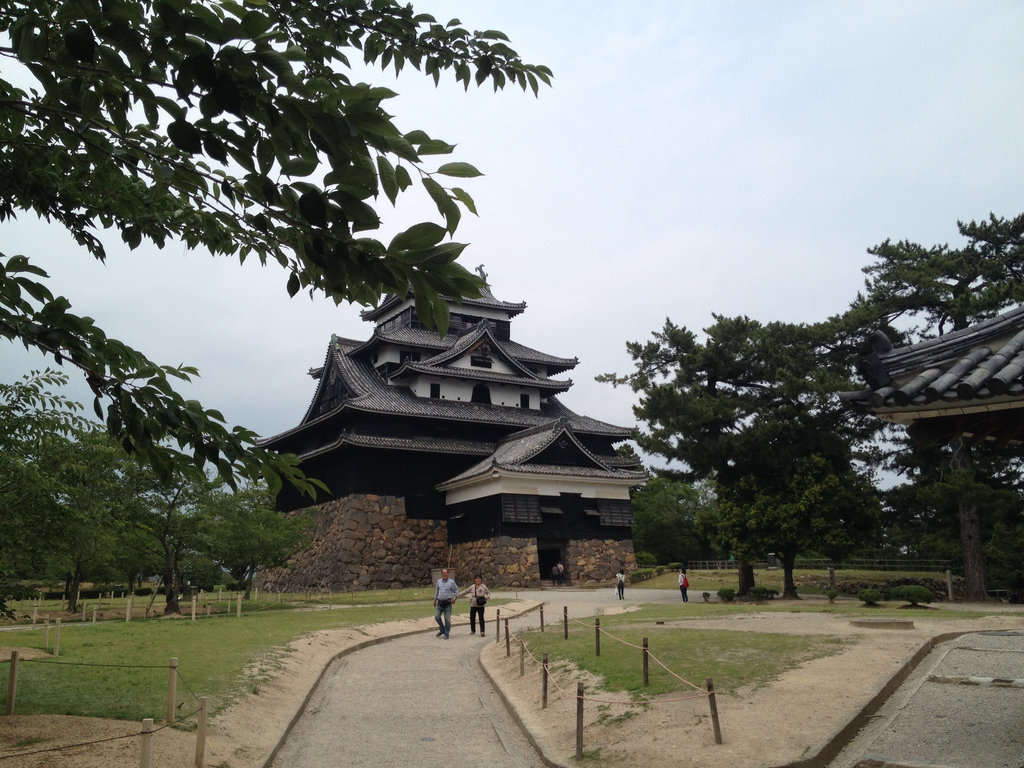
435,390
481,394
617,512
524,401
520,509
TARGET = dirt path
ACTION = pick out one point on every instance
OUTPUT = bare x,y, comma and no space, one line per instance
417,700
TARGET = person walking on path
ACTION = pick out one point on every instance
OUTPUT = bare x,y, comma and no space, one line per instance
620,584
446,592
479,594
684,584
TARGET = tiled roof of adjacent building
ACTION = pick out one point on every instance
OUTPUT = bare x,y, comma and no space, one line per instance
965,382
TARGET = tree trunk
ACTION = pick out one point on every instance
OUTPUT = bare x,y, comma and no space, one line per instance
788,585
172,607
970,528
71,587
746,579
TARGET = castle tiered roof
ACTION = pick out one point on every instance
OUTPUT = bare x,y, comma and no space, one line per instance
409,389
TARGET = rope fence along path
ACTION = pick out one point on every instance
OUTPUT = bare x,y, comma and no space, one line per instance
564,689
145,735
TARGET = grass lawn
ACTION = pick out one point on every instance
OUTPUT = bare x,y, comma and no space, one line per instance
118,669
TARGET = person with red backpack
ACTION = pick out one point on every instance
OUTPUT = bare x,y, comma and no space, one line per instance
684,584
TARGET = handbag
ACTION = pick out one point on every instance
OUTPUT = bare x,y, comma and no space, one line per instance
481,601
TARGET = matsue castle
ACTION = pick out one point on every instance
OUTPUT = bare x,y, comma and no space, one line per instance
453,451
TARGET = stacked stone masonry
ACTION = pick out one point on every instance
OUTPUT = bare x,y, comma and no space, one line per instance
362,542
365,542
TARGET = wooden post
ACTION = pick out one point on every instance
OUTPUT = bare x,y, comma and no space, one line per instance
56,639
146,753
238,610
201,732
579,721
95,612
35,613
949,585
544,686
714,712
128,610
12,681
542,617
646,654
522,657
597,636
194,598
565,620
508,645
497,625
172,689
46,641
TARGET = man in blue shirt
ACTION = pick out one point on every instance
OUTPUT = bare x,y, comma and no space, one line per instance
445,595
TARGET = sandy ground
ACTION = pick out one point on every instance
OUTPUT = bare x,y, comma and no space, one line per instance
772,725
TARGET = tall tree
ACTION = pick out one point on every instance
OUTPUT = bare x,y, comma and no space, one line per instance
750,408
918,292
666,512
233,128
34,415
245,532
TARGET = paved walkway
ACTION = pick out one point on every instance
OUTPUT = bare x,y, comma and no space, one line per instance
422,700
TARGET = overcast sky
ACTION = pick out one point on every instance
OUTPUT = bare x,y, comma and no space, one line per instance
690,158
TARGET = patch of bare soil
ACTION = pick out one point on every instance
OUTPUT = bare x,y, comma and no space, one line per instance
771,725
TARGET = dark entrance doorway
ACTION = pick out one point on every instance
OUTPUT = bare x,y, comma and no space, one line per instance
550,552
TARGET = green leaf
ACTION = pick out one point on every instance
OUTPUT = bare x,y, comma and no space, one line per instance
463,197
313,208
445,205
418,237
388,180
461,170
185,136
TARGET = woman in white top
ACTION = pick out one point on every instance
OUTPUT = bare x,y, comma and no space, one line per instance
479,594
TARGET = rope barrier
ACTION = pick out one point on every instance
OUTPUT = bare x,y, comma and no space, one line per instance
702,693
86,664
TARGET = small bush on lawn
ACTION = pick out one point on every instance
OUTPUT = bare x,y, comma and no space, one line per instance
832,594
675,566
760,594
912,593
642,574
706,596
869,596
727,595
646,559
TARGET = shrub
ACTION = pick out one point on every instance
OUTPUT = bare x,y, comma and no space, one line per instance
675,566
646,559
912,593
727,595
760,594
641,574
870,596
706,596
832,594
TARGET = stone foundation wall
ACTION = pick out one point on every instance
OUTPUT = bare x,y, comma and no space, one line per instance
366,542
503,562
597,560
362,542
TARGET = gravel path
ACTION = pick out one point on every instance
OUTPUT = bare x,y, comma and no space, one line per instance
422,700
962,707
